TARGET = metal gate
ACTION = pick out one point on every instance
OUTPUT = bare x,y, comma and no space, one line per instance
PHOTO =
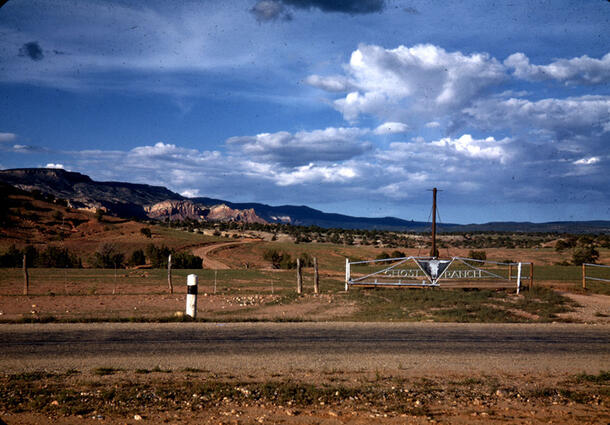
433,272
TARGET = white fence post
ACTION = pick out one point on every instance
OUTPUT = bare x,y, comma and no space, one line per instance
191,296
347,274
518,278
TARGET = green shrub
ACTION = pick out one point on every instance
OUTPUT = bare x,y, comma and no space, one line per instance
137,258
584,254
279,259
184,260
108,256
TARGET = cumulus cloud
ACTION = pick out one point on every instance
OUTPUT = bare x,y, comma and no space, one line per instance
7,137
488,148
328,145
316,174
422,77
55,166
31,50
191,193
582,115
391,128
581,70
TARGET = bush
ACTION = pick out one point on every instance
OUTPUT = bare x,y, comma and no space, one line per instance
398,254
11,258
383,256
55,256
306,260
184,260
52,256
477,255
157,255
137,258
584,254
279,259
108,256
146,232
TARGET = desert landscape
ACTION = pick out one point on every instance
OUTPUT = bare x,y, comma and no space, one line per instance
313,212
248,284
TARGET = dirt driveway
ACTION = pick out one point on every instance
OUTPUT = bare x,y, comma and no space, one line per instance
210,262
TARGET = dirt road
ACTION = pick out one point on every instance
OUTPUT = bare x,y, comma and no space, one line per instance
244,347
212,263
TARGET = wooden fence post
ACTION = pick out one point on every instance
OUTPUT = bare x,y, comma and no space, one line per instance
531,285
299,277
584,276
26,278
316,277
169,274
510,271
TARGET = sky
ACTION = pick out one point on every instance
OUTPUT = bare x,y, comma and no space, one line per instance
354,107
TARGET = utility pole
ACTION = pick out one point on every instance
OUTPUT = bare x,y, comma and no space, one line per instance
433,252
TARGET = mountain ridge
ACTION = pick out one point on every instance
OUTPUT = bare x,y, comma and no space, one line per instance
141,200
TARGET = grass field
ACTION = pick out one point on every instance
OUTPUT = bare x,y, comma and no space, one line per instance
228,295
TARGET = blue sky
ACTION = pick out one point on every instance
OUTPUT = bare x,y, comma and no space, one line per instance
356,107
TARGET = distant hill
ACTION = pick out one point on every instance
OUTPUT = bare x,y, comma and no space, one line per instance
157,202
122,199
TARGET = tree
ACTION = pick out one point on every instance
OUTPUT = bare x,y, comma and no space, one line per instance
157,255
184,260
279,259
108,256
55,256
561,245
11,258
137,258
584,254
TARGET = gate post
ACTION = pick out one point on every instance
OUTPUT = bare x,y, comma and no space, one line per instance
347,274
299,277
316,276
518,278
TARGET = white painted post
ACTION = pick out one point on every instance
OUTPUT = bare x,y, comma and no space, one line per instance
347,274
191,296
518,278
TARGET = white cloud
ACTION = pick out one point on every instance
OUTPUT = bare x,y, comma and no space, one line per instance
328,145
55,166
7,137
190,193
391,128
587,161
581,70
433,124
585,114
424,77
488,148
311,174
335,83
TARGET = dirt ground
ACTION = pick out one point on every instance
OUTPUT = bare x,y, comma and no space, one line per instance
312,397
592,308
